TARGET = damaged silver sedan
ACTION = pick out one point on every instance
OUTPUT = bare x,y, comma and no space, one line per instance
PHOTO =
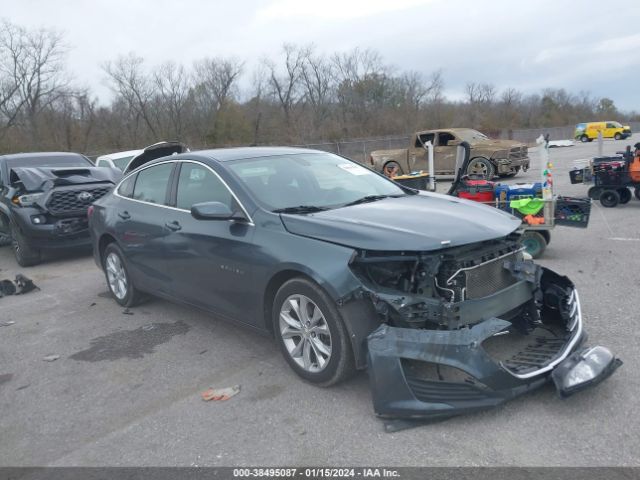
348,270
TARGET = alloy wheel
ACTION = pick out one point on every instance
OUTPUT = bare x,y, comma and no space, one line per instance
305,333
117,276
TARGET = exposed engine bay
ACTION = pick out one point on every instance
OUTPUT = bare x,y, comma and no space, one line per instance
421,290
469,327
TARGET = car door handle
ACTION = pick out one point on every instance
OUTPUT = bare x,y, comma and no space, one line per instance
173,226
124,215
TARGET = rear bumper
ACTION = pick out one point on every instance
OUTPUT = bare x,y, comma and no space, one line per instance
477,379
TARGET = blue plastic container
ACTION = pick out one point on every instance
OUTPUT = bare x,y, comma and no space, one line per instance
510,192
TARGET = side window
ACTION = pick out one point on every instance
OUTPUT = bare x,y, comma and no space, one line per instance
126,187
198,184
102,163
610,125
425,137
151,184
444,138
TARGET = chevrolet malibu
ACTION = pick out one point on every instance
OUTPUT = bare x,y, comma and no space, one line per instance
349,270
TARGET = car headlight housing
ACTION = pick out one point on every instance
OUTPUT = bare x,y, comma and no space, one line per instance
27,200
584,368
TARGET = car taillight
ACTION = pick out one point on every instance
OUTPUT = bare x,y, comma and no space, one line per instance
90,211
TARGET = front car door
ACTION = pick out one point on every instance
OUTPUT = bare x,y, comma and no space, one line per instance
209,261
140,224
418,157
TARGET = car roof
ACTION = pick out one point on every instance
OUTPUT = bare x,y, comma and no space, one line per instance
226,154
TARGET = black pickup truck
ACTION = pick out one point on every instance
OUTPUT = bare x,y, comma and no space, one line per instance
44,199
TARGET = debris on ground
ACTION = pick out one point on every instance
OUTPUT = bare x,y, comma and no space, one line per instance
7,324
560,143
19,286
126,311
51,358
220,394
5,377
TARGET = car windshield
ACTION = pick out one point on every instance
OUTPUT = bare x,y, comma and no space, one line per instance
49,161
311,180
470,135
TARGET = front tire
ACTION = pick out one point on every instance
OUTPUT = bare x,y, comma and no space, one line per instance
25,255
637,192
481,166
118,278
617,136
311,333
584,139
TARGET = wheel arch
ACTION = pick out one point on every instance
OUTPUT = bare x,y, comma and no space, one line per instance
358,315
105,240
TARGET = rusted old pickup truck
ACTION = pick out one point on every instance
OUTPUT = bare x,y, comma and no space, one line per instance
489,157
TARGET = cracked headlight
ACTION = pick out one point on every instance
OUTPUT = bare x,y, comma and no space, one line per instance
28,200
584,368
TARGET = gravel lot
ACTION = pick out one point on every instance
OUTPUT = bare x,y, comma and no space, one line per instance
126,388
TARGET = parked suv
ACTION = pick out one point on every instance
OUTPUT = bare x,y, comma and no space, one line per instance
44,199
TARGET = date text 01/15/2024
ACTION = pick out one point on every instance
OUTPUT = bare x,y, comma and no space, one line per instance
315,472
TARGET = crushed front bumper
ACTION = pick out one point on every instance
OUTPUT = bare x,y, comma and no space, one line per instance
480,381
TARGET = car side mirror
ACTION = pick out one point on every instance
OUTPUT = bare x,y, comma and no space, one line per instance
214,211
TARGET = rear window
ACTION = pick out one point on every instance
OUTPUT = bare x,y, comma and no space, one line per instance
50,161
126,187
151,184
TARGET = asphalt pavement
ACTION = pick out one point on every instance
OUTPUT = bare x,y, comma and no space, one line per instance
125,390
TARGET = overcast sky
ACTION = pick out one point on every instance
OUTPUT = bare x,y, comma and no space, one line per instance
580,46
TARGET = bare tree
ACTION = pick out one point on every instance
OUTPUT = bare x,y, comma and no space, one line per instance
35,72
318,79
130,81
11,56
173,91
285,86
215,86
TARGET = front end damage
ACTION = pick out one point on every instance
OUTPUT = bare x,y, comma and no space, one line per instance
470,327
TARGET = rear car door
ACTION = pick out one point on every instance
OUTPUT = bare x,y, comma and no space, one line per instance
140,217
444,153
209,261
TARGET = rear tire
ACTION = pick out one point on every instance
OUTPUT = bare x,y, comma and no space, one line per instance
534,243
307,326
637,192
118,278
609,198
25,255
625,195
